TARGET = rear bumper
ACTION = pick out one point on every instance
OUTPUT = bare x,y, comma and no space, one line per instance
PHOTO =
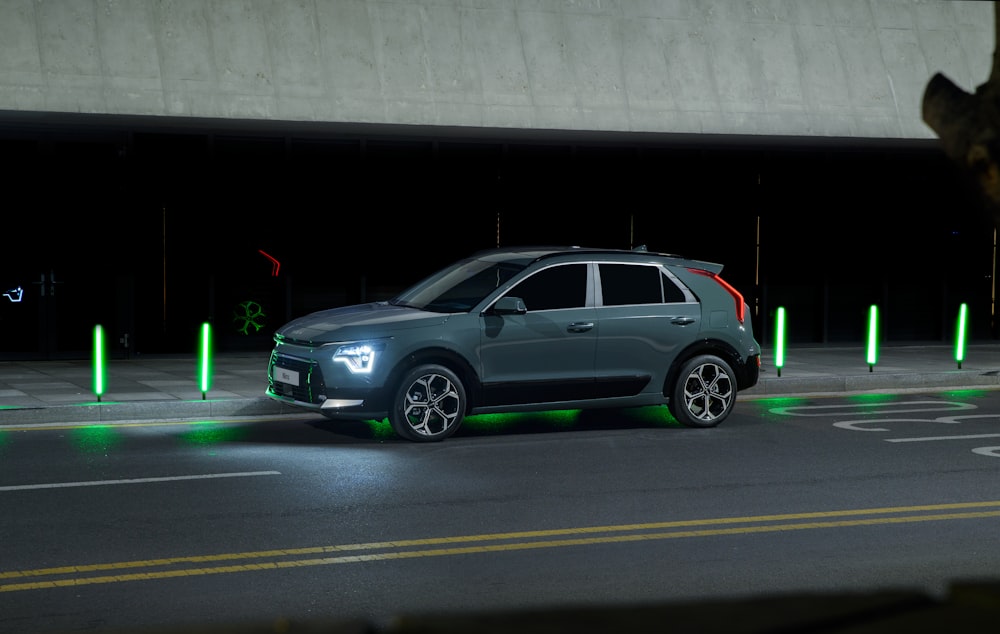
748,372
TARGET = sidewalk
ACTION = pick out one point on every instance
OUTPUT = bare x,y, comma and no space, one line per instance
167,387
142,388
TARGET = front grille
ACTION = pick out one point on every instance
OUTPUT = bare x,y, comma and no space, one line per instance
310,378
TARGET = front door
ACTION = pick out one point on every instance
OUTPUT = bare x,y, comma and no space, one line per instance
547,354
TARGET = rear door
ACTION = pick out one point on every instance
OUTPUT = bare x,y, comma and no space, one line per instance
645,316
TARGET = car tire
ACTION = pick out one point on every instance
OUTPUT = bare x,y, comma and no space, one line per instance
705,392
428,405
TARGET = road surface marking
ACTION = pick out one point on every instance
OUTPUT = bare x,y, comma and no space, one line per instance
880,407
933,438
95,483
471,544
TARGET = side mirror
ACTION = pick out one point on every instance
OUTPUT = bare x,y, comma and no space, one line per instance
510,306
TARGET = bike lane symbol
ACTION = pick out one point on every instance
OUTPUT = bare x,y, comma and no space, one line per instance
877,424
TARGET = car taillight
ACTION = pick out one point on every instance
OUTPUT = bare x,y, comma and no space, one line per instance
737,296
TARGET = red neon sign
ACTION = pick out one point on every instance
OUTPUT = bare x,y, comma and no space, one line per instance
275,265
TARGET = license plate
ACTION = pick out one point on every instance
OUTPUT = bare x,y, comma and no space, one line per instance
286,376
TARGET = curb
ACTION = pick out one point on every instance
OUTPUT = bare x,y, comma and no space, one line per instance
117,412
787,386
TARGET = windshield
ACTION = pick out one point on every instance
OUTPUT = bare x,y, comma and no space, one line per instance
459,287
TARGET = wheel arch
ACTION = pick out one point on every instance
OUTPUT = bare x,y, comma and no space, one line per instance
449,359
715,347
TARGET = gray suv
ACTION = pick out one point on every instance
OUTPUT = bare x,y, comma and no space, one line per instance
526,329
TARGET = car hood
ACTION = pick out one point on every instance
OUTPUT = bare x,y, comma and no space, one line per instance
375,319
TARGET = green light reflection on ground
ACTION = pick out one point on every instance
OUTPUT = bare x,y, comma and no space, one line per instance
499,422
95,438
762,407
212,433
657,415
775,401
381,429
873,397
965,393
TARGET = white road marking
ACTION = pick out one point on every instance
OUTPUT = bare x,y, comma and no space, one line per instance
864,424
853,424
876,408
932,438
94,483
943,420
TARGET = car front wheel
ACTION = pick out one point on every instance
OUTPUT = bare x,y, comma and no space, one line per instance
705,392
428,405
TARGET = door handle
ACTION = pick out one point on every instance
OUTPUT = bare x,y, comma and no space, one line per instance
682,321
580,326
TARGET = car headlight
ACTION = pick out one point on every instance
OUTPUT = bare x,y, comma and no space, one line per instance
358,357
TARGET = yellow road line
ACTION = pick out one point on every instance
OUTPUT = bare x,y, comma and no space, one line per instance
574,538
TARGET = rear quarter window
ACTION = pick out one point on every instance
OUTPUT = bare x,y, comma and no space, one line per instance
671,293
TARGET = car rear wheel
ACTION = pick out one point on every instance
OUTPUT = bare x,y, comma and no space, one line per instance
428,405
705,392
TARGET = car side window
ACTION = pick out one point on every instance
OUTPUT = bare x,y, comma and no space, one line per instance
671,293
553,288
625,284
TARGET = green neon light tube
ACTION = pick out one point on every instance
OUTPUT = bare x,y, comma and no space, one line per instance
205,358
779,339
960,335
100,362
872,354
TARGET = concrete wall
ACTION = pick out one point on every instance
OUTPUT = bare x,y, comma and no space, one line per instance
843,68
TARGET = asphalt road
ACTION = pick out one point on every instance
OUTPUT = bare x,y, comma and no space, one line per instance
146,526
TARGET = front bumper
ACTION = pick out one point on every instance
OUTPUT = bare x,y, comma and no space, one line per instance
300,382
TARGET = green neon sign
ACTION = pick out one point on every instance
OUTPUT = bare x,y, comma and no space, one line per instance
249,314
